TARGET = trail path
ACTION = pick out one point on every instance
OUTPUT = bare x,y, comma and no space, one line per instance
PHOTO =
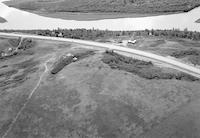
27,100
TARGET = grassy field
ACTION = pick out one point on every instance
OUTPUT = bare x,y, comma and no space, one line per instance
69,9
2,20
89,98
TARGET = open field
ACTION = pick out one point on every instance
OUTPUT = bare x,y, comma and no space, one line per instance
98,9
2,20
89,98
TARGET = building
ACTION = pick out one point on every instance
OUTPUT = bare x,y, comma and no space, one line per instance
132,41
126,42
60,35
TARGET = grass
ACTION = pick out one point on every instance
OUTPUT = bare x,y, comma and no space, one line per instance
27,44
97,101
26,64
184,53
15,74
193,55
90,99
20,74
8,73
142,68
25,48
13,78
186,50
14,42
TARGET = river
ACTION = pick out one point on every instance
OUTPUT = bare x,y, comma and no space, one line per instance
18,19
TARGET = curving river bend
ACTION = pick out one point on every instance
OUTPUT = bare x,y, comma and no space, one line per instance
18,19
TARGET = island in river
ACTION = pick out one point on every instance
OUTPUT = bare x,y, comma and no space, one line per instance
2,20
103,9
198,21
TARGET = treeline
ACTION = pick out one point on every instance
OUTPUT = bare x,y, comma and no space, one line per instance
194,35
68,59
193,55
93,34
141,68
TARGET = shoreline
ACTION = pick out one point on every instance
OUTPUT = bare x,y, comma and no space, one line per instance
94,16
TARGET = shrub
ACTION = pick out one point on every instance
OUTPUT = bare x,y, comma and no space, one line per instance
66,60
141,68
184,53
61,63
27,44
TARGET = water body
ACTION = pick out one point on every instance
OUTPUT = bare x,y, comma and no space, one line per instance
18,19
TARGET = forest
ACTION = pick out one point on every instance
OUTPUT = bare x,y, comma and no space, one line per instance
94,34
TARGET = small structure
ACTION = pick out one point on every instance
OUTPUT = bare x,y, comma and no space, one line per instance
75,59
150,33
126,42
10,49
132,41
60,35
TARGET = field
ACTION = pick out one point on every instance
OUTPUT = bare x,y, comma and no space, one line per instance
2,20
90,98
100,9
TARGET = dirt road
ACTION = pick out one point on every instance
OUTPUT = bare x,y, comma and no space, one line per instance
173,63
